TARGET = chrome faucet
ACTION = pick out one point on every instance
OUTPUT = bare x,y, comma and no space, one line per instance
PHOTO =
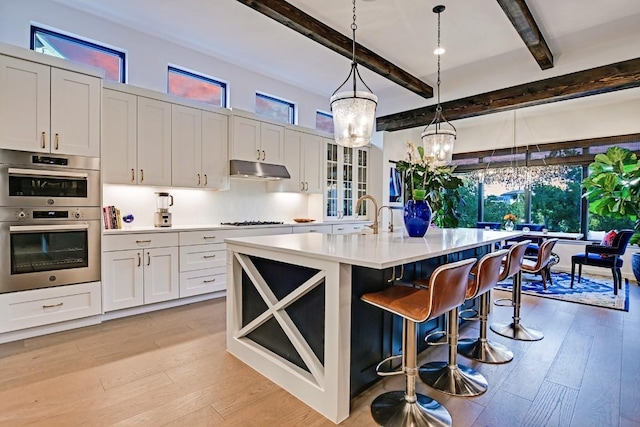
390,220
373,226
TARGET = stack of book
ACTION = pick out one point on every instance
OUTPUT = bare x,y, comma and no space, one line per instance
112,218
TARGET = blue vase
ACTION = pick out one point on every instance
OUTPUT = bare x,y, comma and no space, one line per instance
417,217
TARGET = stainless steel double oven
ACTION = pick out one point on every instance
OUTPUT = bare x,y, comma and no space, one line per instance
50,220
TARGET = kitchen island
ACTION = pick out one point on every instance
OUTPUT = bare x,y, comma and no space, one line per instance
294,312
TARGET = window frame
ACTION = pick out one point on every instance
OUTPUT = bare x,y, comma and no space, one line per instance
203,77
293,107
101,47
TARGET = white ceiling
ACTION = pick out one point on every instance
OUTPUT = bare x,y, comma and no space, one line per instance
484,51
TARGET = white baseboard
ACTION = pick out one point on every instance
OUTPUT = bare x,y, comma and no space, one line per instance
160,305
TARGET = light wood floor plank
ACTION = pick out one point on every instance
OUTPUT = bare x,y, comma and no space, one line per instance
505,409
553,406
629,386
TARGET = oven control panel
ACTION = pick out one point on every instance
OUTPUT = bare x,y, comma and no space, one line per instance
40,214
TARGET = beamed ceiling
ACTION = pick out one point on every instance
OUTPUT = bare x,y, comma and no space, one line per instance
501,54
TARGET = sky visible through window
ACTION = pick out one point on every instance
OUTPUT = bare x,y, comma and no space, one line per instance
199,88
324,122
274,108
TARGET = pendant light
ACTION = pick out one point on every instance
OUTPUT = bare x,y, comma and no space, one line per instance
438,142
354,111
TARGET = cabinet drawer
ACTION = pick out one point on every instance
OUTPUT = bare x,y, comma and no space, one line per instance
200,237
122,242
312,229
198,257
20,310
203,281
349,228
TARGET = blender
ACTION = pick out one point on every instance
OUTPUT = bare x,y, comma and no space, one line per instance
162,218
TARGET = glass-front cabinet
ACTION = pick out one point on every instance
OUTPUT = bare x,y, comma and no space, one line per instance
347,180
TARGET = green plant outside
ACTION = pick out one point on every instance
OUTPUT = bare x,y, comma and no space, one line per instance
613,186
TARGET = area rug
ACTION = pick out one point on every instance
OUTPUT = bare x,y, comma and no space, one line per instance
592,290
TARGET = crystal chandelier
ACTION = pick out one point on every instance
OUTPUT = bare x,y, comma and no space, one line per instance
354,111
438,142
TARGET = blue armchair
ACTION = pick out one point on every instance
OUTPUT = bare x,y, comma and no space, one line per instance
612,259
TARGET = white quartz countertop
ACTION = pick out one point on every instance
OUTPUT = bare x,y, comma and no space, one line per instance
374,250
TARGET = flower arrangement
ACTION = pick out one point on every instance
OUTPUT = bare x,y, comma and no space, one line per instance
435,184
510,217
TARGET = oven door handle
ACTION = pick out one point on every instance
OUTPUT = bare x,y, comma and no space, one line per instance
31,228
53,174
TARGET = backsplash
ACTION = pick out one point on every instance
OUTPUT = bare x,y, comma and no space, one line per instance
246,200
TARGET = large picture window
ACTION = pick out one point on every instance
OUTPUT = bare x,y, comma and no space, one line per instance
84,52
190,85
275,108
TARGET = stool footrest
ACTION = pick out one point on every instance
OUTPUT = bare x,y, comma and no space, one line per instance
503,302
428,337
382,373
463,314
392,408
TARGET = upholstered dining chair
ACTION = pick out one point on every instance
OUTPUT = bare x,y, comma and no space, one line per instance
541,263
491,225
598,255
534,246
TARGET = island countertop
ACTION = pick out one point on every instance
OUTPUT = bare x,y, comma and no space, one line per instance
376,250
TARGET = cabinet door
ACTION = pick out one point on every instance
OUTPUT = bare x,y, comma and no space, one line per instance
272,143
215,150
161,279
311,163
119,139
24,105
186,146
291,160
246,139
154,142
75,113
122,284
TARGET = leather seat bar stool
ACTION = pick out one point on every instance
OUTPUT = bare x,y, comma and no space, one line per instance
447,376
542,263
513,268
484,277
417,305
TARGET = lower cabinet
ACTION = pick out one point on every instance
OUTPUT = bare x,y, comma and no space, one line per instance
143,275
202,264
38,307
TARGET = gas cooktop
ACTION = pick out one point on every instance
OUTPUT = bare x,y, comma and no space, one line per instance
244,223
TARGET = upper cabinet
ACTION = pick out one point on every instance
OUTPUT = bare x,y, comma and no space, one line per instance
347,180
303,158
47,109
257,141
154,142
199,141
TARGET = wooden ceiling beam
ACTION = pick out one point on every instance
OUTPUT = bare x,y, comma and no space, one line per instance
524,23
594,81
297,20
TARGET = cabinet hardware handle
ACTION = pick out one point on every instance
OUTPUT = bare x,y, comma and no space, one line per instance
141,175
198,179
209,237
306,186
206,180
44,137
302,186
264,155
133,175
313,231
53,305
209,256
148,258
57,141
258,158
143,241
209,281
340,229
139,259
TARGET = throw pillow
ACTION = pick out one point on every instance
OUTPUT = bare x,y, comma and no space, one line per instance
608,240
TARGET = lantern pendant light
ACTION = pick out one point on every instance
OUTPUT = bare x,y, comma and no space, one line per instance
438,141
354,111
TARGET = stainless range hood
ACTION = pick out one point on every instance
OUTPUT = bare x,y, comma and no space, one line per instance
256,170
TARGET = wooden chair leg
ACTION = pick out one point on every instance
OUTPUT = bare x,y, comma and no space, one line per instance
549,276
543,273
615,280
573,272
579,272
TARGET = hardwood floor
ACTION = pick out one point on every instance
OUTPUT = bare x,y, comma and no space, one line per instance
171,368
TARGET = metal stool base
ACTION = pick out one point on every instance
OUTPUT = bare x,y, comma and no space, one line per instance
456,380
516,332
393,409
484,351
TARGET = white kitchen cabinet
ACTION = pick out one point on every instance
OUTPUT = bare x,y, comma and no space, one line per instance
199,141
203,259
346,181
303,159
154,142
47,109
119,137
349,228
139,269
318,228
257,141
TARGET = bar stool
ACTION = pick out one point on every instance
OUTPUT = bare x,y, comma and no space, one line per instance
449,377
512,268
416,305
486,274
